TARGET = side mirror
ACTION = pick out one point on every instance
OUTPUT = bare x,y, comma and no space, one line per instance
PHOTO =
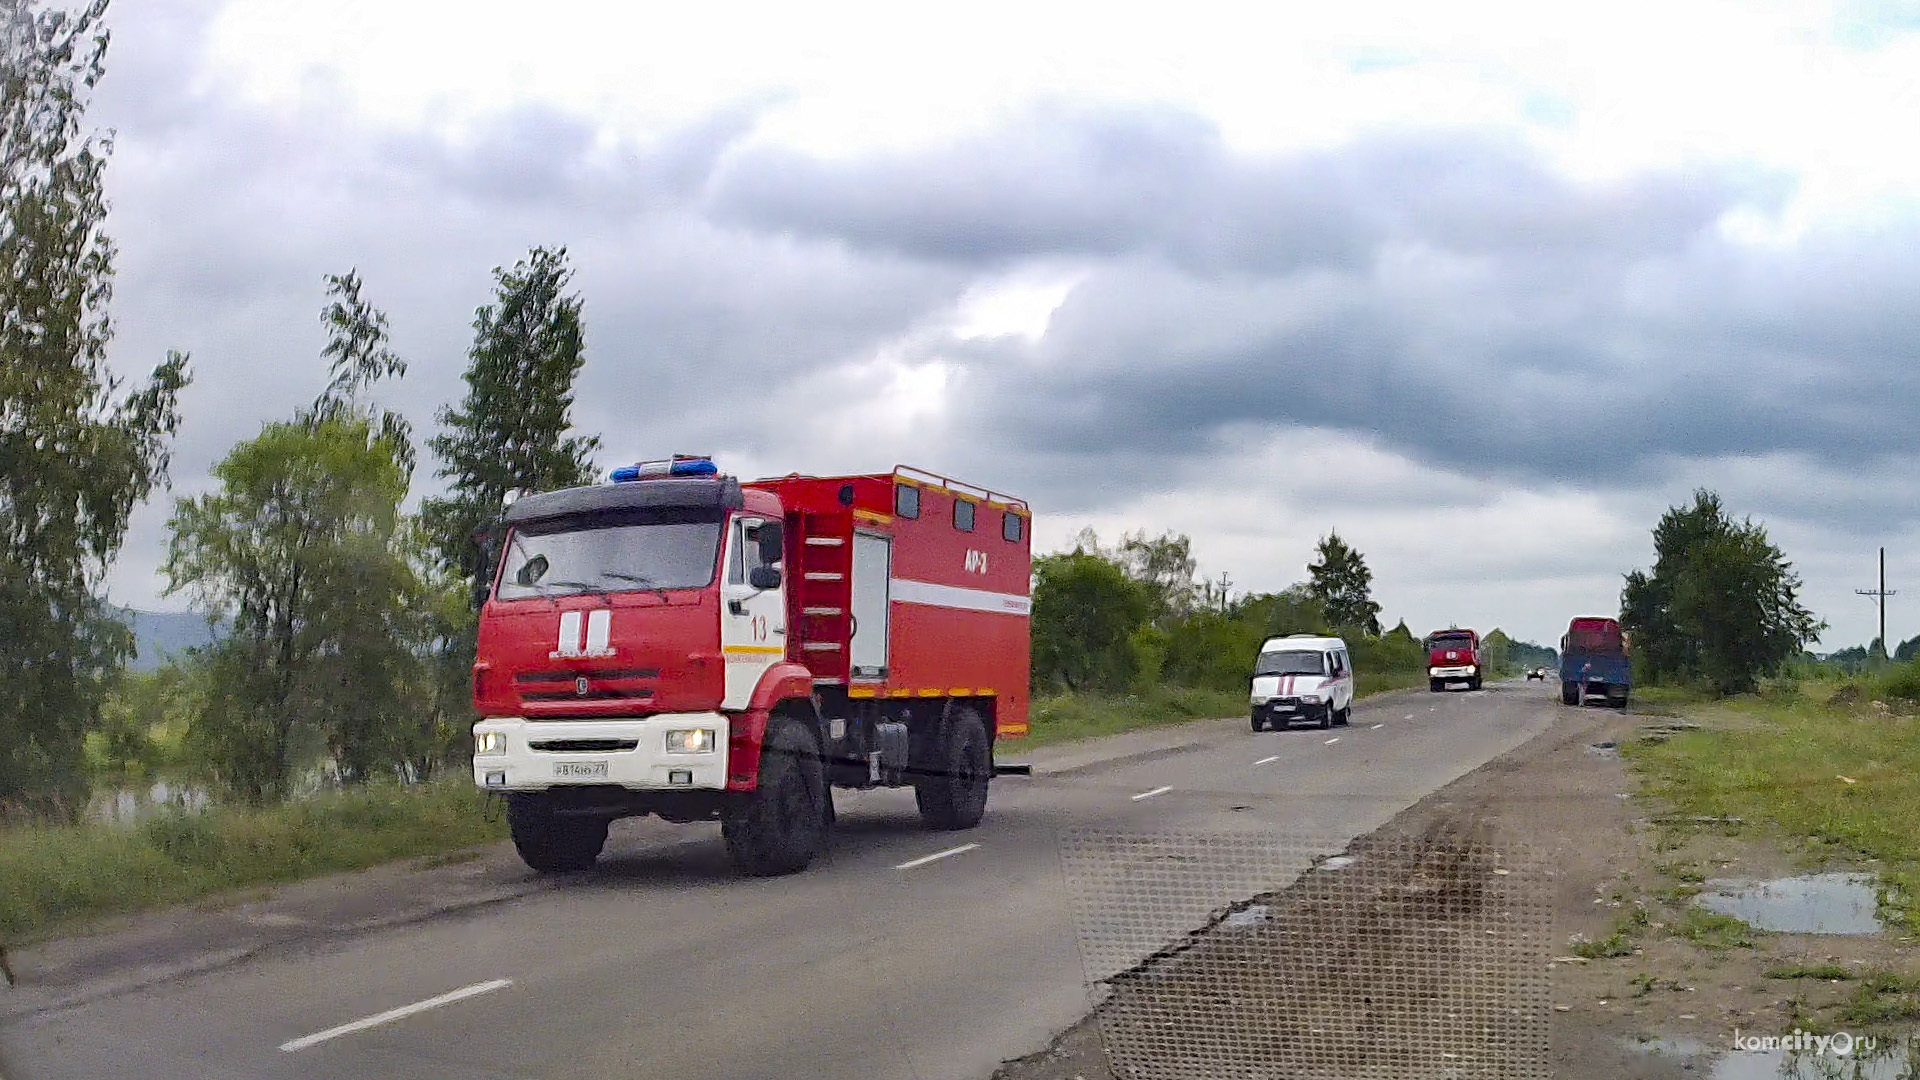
764,577
772,544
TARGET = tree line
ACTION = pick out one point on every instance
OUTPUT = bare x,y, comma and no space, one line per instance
1132,616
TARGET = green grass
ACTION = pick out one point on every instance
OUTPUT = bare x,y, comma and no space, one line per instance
1824,972
1712,930
1881,998
1063,718
54,877
1068,717
1785,763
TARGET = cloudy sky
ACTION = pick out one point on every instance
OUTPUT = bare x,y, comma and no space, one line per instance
1484,286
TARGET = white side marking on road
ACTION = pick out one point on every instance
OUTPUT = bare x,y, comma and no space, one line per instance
925,859
1151,794
1333,740
1377,727
400,1013
1268,760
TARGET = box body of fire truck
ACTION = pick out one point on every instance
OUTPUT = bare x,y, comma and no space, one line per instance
680,643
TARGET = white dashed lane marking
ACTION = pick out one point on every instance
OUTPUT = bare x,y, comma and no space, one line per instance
1151,794
936,856
400,1013
1377,727
1268,760
1333,740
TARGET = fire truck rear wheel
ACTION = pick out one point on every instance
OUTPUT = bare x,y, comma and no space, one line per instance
957,799
552,843
780,826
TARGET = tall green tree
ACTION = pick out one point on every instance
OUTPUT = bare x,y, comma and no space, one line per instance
304,549
296,548
1342,583
511,431
1721,605
78,450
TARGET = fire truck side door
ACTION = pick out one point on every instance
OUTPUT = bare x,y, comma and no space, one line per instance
872,567
753,622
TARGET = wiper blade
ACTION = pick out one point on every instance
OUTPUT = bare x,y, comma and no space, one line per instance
645,582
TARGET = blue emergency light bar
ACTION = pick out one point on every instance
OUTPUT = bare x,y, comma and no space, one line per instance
676,466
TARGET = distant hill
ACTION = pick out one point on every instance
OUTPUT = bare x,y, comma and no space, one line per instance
161,634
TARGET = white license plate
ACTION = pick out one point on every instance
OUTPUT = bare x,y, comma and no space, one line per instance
1283,708
580,770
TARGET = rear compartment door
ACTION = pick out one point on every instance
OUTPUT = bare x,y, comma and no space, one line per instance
872,570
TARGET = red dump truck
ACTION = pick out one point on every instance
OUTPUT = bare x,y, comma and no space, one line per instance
680,643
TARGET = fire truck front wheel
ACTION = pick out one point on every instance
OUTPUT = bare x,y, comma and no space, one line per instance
553,843
957,798
780,826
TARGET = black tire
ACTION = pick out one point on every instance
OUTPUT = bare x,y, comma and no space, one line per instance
1436,685
781,825
1344,716
553,843
1569,693
958,799
1326,717
1258,724
1473,683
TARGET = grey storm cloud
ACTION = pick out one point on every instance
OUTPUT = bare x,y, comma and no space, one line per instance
1447,294
1118,181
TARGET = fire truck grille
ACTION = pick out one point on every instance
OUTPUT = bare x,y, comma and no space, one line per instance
594,693
577,746
596,674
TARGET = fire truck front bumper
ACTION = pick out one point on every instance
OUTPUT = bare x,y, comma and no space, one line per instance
1464,671
670,752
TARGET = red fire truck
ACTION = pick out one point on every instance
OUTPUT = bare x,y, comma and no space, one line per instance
677,642
1454,656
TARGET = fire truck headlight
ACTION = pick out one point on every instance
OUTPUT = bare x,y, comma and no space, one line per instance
690,741
1259,699
489,744
1311,699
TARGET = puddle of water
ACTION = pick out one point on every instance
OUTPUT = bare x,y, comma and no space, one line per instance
1888,1060
1810,904
1883,1059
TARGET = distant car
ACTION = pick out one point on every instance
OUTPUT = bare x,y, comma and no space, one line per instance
1537,673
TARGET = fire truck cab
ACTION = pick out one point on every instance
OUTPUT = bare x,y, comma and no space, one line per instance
677,642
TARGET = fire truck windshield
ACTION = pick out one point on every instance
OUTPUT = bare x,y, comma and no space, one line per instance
575,557
1293,662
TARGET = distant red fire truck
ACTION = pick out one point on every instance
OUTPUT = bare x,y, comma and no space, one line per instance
677,642
1454,656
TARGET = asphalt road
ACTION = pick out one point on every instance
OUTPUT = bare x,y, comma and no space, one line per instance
897,956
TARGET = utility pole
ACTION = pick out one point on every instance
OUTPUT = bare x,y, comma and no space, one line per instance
1879,597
